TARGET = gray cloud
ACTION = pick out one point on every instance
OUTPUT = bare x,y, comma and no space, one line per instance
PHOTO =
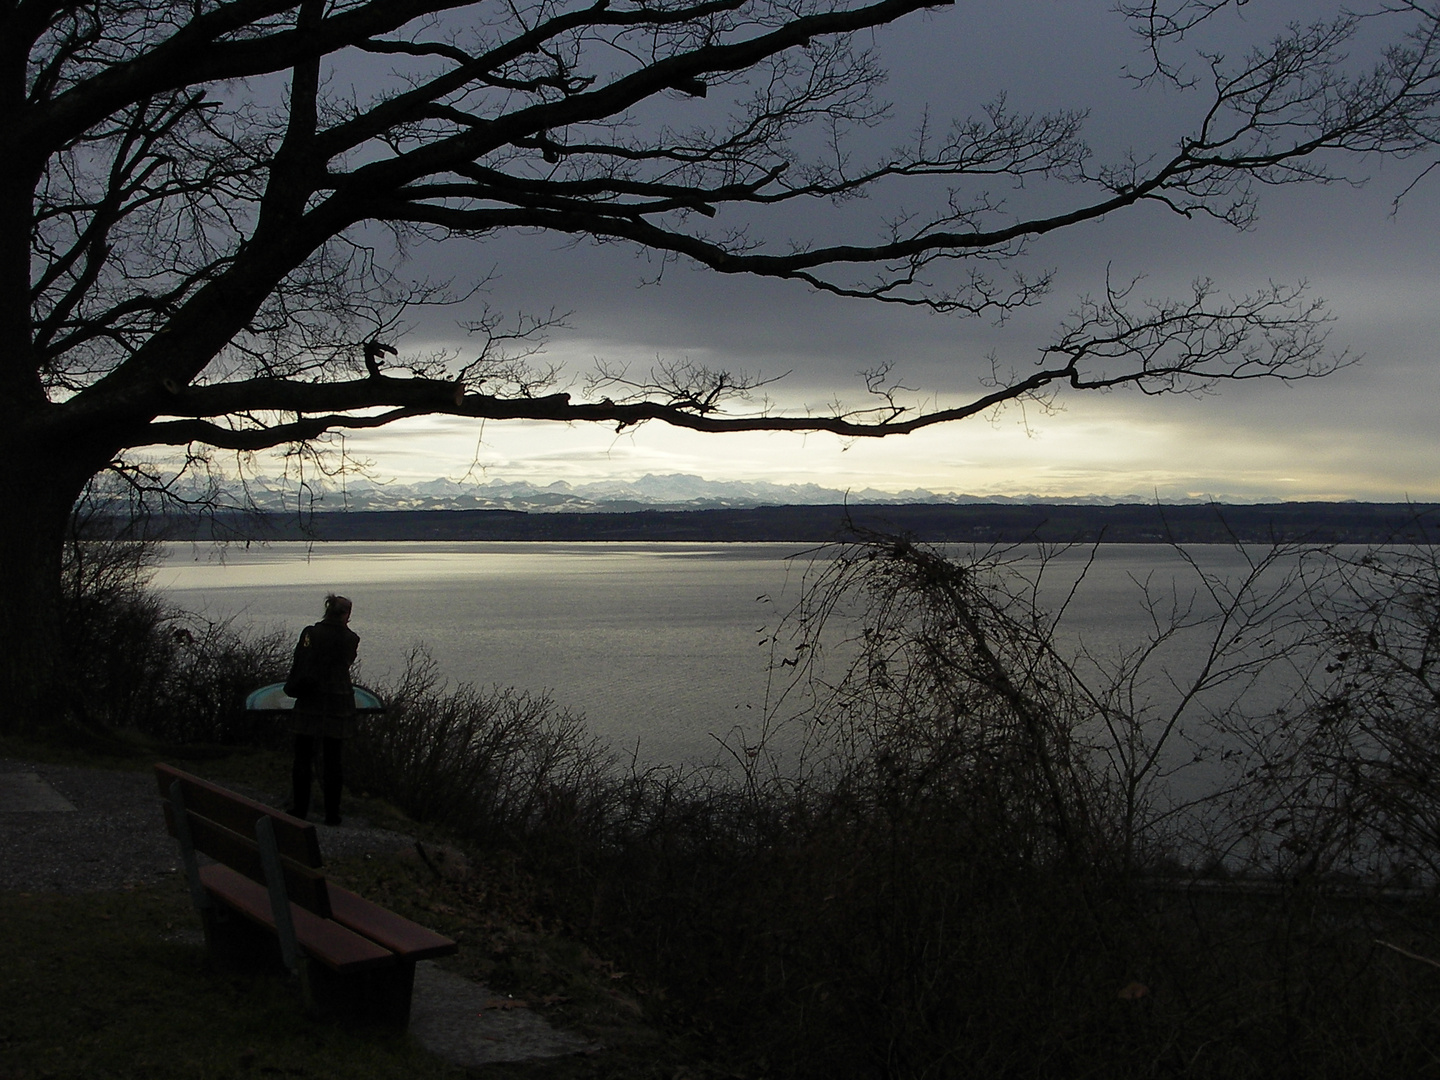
1369,429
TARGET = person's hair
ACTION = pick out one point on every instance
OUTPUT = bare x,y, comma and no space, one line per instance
335,606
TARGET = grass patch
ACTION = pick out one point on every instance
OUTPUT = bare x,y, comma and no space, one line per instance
115,985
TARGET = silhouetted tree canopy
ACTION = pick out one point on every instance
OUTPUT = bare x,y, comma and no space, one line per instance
190,194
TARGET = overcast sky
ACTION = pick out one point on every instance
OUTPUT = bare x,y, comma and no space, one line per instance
1366,432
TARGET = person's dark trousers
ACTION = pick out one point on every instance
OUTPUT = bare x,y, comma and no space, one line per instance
333,776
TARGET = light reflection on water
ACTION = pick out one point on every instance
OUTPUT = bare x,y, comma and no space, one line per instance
658,645
661,646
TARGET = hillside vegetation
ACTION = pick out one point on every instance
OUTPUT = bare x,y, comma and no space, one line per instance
980,865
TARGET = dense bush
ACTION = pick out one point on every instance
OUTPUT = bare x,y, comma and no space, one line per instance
132,661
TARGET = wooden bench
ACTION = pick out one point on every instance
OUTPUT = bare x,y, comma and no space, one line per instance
265,901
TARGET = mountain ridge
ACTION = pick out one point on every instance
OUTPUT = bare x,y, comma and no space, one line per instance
672,491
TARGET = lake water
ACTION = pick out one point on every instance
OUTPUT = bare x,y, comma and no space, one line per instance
661,646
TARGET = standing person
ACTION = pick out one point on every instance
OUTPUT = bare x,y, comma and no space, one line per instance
324,704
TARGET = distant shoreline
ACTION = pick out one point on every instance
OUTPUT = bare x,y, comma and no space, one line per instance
1321,523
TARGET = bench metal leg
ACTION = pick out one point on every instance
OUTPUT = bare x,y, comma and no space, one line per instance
279,900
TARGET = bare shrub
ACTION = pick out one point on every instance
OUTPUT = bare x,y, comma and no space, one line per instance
499,766
203,672
976,862
980,869
952,702
1348,782
134,661
950,680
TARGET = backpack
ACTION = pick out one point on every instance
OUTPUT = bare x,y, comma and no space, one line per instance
304,678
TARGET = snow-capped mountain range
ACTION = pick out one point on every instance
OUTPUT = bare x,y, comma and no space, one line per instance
676,491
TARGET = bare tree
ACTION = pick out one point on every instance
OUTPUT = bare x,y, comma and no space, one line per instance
191,193
913,679
1346,780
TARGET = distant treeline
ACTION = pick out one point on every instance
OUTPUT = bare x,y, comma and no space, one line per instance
1360,523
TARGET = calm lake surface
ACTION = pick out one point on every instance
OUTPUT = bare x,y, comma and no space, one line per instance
663,647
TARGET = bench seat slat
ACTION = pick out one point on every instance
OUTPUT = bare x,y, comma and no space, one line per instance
328,942
395,932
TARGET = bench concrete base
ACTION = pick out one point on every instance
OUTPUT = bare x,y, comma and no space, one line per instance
377,998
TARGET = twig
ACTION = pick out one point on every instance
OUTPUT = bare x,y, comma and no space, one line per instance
1407,952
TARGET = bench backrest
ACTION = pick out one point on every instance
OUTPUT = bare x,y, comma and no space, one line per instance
222,826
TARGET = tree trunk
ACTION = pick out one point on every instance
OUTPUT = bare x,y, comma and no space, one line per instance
40,497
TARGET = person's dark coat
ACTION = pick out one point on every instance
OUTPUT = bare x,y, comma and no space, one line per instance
327,706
